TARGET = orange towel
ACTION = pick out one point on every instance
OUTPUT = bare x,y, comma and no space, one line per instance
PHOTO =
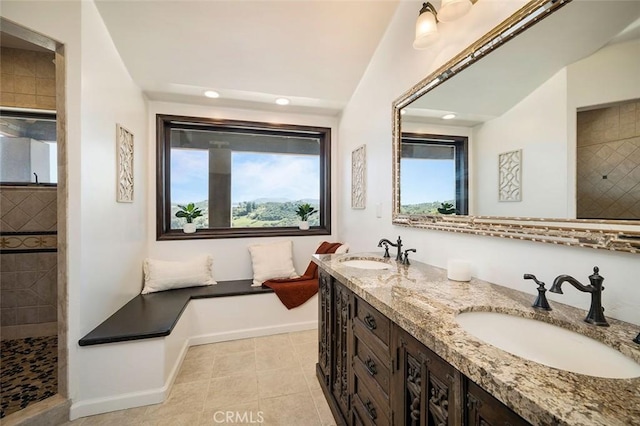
293,292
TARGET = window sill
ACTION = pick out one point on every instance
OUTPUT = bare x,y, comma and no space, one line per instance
176,234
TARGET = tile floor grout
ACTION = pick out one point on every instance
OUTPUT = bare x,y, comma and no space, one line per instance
250,392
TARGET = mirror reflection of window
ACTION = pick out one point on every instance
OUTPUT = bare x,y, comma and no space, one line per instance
28,148
434,175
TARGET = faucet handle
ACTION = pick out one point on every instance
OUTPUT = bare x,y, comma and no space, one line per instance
405,259
541,301
637,339
386,250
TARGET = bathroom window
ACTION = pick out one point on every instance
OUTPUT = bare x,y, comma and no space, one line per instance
28,148
434,174
247,178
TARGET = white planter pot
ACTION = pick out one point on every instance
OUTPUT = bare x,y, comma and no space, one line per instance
303,225
189,228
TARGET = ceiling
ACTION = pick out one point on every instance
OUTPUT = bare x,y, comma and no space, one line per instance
496,83
251,52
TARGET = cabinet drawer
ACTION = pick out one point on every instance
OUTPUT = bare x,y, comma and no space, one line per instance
367,411
370,364
372,320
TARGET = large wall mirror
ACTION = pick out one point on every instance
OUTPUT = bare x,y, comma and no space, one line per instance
548,103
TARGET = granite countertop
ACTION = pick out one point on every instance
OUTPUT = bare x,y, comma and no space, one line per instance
421,300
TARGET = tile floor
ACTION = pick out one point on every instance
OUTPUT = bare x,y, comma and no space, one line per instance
29,372
267,381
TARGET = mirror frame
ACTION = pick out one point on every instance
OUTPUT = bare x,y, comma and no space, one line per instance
615,235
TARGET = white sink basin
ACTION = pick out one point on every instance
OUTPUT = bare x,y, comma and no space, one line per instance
366,264
549,345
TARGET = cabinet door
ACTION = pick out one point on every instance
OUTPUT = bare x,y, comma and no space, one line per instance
426,388
340,347
324,327
482,409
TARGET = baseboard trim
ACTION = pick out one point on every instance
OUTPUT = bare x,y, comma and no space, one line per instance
204,339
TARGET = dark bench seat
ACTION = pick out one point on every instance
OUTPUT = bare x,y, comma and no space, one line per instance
154,315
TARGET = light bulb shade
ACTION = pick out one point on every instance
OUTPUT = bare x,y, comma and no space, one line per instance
426,30
450,10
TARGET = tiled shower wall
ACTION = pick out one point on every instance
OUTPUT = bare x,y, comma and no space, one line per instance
608,167
27,79
28,281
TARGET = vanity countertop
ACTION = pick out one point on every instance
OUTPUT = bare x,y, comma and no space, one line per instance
421,300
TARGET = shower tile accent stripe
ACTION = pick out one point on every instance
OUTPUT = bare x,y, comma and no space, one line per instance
28,242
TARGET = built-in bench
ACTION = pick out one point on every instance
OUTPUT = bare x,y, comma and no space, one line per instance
133,357
156,314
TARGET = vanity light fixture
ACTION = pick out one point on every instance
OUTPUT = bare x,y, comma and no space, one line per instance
211,94
426,25
283,101
448,116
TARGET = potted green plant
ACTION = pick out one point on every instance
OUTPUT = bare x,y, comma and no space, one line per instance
304,211
189,212
446,208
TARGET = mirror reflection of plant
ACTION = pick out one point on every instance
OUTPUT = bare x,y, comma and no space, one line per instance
446,208
305,210
189,212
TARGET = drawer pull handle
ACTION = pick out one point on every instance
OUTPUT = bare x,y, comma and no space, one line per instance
370,365
371,411
370,322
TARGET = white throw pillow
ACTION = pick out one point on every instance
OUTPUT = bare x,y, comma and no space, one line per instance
160,275
273,260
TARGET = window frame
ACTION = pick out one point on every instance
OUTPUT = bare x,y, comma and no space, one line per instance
164,124
461,161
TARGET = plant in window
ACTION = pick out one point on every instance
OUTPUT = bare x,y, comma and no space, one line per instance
304,211
446,208
189,212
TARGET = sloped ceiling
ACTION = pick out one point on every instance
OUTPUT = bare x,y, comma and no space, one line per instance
251,52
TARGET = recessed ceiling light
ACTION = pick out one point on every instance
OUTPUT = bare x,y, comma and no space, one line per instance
211,94
448,116
283,101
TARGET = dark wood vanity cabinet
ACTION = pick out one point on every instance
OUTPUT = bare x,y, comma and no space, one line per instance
373,372
371,365
324,328
428,389
334,353
482,409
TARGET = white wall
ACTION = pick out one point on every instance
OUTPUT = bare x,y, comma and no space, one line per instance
113,234
396,67
538,126
106,240
231,257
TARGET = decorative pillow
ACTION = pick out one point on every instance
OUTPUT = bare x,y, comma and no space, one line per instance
274,260
160,275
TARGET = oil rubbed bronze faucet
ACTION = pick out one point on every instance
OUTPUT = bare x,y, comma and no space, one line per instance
541,301
387,243
596,311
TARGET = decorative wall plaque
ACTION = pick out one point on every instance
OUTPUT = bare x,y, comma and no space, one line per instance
510,176
358,178
124,143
